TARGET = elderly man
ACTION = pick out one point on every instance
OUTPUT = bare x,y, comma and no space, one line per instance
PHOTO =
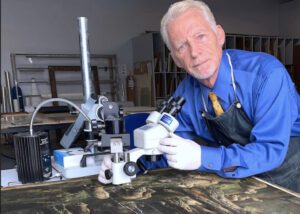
242,105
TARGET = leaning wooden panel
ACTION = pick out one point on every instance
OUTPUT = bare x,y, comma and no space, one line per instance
167,191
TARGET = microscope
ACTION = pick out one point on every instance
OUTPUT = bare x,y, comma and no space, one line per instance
102,125
159,124
100,120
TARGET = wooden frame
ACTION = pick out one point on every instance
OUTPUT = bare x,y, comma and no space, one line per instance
53,69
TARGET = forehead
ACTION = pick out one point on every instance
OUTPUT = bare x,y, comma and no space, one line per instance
189,21
186,24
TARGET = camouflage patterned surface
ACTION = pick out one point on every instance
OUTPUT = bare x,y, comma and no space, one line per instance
167,191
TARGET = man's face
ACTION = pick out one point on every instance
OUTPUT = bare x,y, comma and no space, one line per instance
195,46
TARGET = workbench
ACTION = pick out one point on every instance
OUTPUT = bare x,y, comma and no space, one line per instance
12,123
159,191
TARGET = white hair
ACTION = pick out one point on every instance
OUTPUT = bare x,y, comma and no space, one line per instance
177,9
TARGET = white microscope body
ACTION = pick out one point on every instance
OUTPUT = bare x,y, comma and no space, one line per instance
148,136
146,140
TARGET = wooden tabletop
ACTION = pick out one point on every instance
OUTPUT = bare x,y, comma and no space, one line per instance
21,120
160,191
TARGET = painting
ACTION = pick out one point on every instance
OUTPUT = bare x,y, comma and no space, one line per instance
159,191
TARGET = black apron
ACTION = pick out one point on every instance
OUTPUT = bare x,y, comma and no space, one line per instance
234,126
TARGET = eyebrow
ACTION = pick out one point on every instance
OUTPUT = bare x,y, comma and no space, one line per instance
179,44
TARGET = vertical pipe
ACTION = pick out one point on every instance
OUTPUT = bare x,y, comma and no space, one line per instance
13,66
85,58
4,100
17,91
7,82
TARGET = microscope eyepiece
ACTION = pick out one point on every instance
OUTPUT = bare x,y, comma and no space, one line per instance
165,104
176,105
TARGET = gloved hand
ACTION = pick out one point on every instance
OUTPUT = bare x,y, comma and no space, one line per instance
181,153
106,164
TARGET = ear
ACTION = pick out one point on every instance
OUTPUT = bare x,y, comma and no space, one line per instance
220,35
176,60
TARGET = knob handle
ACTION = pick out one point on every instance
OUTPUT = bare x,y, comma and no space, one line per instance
108,174
130,168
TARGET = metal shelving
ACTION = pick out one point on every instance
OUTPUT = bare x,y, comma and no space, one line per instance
165,76
64,80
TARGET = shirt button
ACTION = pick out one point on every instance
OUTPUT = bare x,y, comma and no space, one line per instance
210,165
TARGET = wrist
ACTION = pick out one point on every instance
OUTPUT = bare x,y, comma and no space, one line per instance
211,158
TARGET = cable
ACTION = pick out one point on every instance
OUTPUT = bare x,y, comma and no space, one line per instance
54,100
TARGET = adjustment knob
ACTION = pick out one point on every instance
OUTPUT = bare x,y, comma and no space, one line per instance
108,174
130,168
100,114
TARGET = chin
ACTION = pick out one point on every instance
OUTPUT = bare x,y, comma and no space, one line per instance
201,75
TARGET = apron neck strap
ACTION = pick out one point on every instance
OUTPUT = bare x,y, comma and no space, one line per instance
203,101
232,76
232,80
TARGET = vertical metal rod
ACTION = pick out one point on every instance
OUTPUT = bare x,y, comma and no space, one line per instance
85,58
17,91
4,100
8,83
13,66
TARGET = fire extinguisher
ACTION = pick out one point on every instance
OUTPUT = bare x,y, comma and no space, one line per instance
130,82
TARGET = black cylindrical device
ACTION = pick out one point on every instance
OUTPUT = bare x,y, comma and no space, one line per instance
32,156
114,126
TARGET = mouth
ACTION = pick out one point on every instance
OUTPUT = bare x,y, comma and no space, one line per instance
199,64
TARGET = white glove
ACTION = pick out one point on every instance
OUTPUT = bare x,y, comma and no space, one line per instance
106,164
181,153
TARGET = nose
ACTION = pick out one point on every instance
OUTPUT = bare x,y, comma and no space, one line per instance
194,50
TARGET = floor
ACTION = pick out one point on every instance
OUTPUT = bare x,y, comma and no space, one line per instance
8,160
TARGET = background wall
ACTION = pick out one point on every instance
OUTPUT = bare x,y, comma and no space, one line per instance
43,26
289,19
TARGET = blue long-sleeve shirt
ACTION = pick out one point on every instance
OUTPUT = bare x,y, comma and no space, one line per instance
269,98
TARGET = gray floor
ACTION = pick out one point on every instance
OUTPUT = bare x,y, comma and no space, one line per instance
7,155
7,149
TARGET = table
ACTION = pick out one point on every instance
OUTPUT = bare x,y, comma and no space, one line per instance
9,177
11,123
159,191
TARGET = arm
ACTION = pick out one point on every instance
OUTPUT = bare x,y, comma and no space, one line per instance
274,112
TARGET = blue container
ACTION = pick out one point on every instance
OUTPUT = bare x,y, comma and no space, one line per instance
14,93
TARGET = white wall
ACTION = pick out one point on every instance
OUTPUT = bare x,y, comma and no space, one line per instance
247,17
43,26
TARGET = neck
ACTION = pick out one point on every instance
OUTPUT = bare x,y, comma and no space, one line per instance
210,82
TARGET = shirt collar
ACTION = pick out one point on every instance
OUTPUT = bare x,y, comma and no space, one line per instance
223,85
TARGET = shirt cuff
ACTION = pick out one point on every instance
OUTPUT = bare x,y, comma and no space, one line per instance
211,158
